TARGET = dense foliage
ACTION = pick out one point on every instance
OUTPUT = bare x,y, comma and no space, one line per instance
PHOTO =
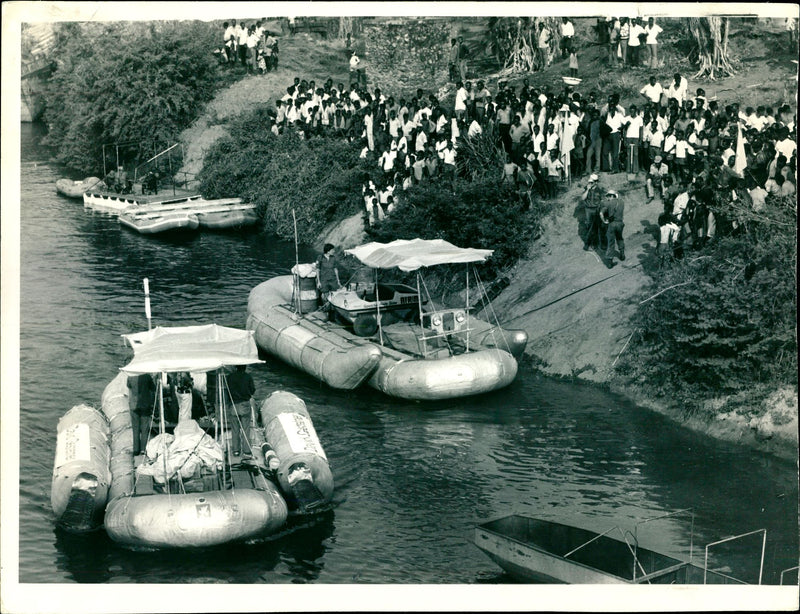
407,56
724,321
319,178
484,214
122,82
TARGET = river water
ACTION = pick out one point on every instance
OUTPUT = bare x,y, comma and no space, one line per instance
412,479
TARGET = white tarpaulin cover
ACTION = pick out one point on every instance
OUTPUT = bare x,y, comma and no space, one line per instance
190,348
410,255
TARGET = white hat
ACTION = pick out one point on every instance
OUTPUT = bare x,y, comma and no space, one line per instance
594,177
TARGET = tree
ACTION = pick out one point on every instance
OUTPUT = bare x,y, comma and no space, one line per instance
126,82
711,36
514,40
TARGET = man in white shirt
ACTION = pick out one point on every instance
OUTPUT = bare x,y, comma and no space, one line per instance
544,46
652,91
633,138
786,146
449,159
678,89
652,29
474,129
229,39
614,121
567,32
242,44
634,43
461,100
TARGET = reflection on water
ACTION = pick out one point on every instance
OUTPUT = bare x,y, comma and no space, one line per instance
412,479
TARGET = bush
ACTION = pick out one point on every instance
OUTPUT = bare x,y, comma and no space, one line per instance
726,320
126,82
319,178
484,214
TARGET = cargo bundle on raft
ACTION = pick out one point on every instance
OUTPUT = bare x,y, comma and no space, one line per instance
188,489
390,336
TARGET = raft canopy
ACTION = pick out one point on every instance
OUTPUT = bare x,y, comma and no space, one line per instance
410,255
190,348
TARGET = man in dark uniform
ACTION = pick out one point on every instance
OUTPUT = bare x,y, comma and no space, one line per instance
612,214
327,272
591,207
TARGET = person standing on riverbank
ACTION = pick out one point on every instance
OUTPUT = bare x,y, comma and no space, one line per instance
612,214
591,207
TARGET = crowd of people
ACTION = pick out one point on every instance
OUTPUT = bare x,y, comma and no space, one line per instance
252,46
676,142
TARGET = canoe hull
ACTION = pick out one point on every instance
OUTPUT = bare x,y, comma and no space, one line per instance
536,550
196,519
445,378
303,344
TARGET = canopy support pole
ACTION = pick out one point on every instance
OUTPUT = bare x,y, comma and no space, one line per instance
378,303
162,428
421,326
466,308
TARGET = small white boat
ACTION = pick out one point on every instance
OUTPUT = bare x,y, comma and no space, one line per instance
537,550
153,223
76,189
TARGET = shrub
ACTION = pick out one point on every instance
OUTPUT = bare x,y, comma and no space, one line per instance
725,320
319,178
484,214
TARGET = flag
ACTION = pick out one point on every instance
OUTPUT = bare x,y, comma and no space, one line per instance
741,160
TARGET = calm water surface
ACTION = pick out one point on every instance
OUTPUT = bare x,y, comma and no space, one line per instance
412,479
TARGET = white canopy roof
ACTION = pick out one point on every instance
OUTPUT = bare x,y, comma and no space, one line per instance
190,348
410,255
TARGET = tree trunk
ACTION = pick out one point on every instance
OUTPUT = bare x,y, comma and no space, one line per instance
711,36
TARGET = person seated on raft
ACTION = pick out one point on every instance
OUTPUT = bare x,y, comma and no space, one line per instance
123,185
150,183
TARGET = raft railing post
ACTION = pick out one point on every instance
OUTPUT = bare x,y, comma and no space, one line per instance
162,428
466,307
421,326
169,157
378,305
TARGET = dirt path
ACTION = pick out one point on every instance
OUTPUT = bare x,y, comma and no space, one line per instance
576,310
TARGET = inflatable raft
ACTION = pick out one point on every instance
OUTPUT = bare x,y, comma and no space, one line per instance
423,352
187,490
81,473
76,189
309,344
154,223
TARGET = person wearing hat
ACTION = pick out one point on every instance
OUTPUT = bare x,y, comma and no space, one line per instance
655,178
591,207
612,213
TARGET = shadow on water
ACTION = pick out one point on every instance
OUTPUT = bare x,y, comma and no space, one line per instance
93,558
